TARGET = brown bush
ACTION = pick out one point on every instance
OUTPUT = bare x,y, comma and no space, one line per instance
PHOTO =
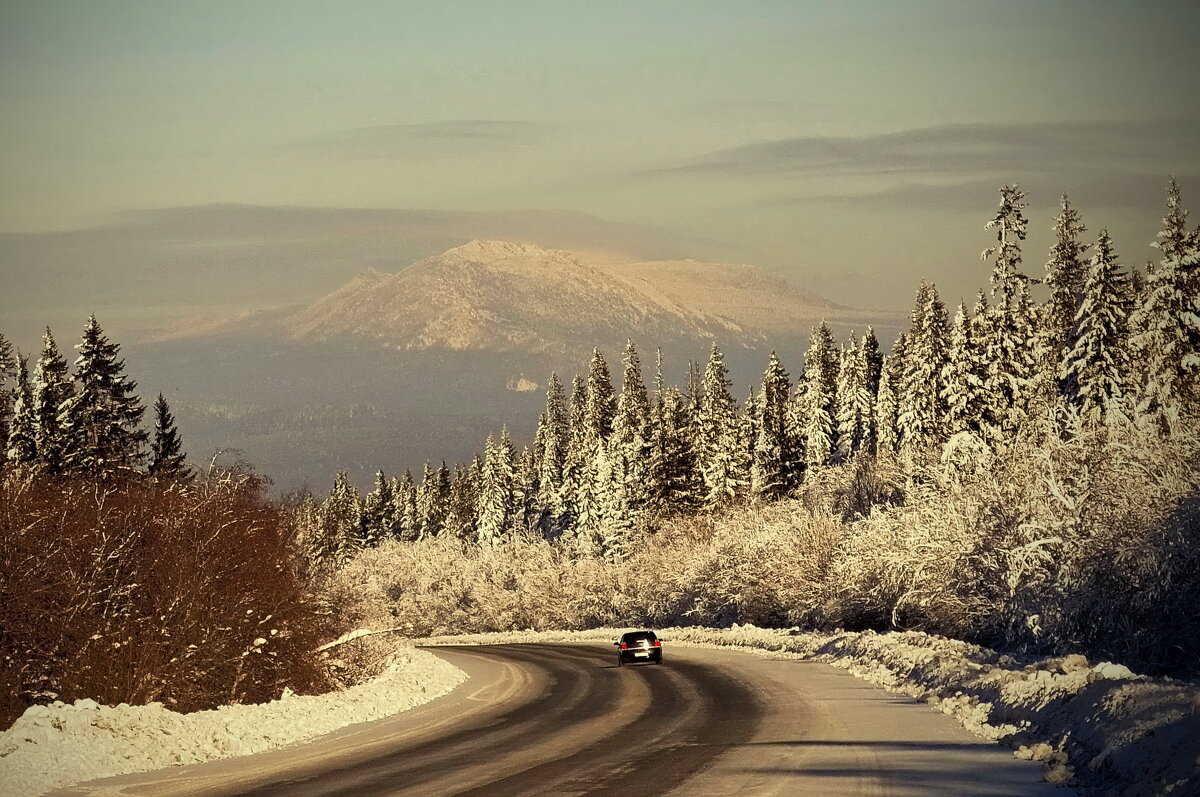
131,591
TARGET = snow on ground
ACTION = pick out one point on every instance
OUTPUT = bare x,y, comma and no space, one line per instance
53,746
1098,726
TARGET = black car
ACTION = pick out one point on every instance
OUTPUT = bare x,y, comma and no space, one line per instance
638,646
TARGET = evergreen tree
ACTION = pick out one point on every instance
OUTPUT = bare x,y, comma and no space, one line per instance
341,521
773,452
554,438
614,520
378,513
52,390
854,401
460,519
1168,321
166,451
601,403
524,489
630,435
873,358
22,435
577,463
495,509
1011,323
962,378
720,459
1066,271
104,415
920,414
1096,366
407,519
820,382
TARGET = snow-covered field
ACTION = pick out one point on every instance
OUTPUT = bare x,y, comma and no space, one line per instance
1096,725
54,746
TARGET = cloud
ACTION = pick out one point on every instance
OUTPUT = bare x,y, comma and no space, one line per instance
450,137
962,149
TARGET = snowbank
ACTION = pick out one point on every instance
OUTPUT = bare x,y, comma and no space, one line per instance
54,746
1096,726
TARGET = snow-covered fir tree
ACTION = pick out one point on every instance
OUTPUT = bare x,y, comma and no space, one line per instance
920,414
873,357
495,510
601,400
460,516
855,401
1096,367
774,455
407,519
820,401
524,488
962,378
22,432
577,462
378,513
104,415
614,521
554,438
167,459
1066,272
630,433
52,390
1168,321
672,481
720,458
341,521
1011,324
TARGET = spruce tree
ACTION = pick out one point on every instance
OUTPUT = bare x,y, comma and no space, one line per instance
773,452
1011,323
601,403
920,414
855,401
630,435
1096,367
720,459
341,521
52,390
887,432
427,521
552,440
1168,321
406,521
495,509
460,519
873,357
166,450
962,378
820,382
1066,272
614,519
577,461
22,435
104,415
378,513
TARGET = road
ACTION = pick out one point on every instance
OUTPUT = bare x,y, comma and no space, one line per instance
564,720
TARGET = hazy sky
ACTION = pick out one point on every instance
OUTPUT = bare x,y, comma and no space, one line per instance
854,146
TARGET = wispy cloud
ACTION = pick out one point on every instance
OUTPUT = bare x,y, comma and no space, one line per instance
962,149
449,137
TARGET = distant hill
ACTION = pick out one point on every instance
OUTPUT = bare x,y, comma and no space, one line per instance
499,296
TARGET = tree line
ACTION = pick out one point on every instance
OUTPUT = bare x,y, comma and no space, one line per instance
57,423
1108,345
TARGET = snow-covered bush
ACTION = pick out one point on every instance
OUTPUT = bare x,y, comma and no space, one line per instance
134,591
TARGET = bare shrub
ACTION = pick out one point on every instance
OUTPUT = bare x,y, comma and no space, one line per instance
132,591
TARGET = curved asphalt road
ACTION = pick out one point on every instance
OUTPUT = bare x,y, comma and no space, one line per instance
564,720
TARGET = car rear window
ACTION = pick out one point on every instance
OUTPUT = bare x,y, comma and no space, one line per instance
638,636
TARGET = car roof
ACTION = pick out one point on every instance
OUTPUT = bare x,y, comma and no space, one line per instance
638,635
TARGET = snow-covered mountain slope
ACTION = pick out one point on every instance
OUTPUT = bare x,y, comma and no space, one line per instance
507,297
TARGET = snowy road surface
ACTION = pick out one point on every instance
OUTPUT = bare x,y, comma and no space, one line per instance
563,719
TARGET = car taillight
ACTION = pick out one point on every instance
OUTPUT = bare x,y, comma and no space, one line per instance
624,646
657,643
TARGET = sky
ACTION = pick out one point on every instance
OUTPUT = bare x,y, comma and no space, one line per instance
160,159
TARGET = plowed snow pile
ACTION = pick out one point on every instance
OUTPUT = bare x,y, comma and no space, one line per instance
57,745
1097,726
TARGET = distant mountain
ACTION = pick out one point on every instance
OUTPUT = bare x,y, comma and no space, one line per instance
499,296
